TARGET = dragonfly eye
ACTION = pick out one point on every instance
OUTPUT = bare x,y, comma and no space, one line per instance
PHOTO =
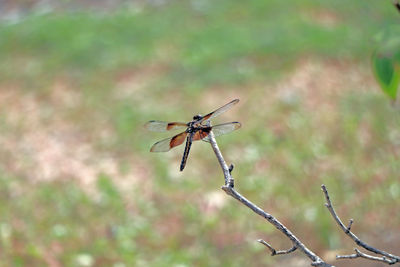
197,117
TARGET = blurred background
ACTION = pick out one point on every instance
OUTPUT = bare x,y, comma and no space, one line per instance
78,79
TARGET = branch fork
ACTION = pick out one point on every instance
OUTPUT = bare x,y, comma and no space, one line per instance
229,189
385,256
275,252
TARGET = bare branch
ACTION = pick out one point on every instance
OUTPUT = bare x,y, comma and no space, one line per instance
387,257
229,189
360,254
350,224
274,251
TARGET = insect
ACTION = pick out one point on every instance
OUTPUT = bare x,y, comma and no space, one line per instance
197,129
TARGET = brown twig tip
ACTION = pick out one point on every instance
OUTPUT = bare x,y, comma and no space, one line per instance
274,251
231,168
349,226
323,187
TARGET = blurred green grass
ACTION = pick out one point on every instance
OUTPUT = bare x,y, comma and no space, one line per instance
199,43
127,66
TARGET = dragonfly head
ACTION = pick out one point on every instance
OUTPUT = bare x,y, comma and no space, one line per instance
197,117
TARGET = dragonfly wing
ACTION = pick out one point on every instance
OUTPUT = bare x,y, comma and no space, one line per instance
223,128
203,133
162,126
166,144
220,110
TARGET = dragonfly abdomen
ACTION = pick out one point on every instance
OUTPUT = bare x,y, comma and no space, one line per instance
187,149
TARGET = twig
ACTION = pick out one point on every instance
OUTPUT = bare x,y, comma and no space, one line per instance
360,254
386,257
229,189
274,251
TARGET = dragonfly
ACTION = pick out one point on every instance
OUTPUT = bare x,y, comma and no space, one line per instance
197,129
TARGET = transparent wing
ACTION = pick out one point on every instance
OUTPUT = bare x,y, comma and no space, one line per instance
220,110
166,144
162,126
201,134
223,128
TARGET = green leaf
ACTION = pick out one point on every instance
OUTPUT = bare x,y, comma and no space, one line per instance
387,72
386,60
